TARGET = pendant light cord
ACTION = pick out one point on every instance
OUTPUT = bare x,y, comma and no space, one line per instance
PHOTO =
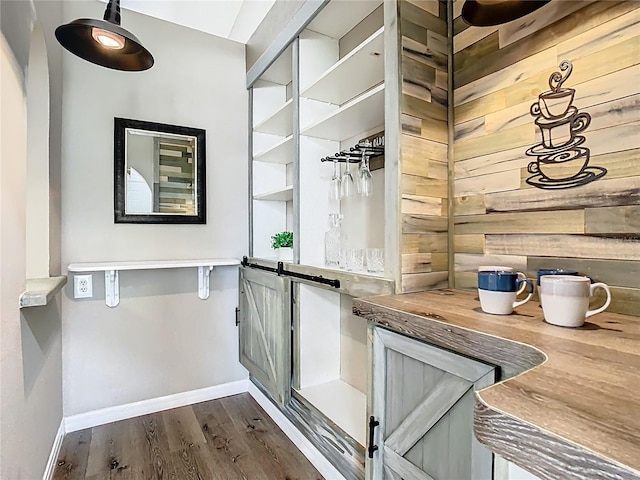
112,13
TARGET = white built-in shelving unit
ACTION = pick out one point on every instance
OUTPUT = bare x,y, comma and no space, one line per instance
337,100
342,100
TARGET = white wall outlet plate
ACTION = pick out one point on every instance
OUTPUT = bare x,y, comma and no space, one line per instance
82,286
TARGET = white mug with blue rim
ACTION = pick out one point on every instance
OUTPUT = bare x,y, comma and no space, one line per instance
498,290
500,268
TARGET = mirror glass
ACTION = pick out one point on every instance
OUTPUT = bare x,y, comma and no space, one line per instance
159,173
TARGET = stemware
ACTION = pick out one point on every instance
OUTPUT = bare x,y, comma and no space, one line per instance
346,184
334,186
365,179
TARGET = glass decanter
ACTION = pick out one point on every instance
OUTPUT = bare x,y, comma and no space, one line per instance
334,239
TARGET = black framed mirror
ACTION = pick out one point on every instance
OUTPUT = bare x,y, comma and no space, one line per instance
159,173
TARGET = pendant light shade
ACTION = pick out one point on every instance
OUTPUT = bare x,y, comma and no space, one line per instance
486,13
105,42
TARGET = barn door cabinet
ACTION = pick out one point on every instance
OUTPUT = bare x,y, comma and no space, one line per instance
308,353
264,321
421,404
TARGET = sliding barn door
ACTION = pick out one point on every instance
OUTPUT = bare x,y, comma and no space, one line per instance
423,397
265,330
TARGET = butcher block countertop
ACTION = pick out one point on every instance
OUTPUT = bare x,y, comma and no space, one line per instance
568,403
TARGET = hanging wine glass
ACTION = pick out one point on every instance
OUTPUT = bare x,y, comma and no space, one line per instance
365,183
346,184
334,186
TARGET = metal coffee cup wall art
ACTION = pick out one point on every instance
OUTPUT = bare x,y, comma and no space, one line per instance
562,159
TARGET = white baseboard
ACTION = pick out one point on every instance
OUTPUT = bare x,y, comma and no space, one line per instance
81,421
299,440
55,452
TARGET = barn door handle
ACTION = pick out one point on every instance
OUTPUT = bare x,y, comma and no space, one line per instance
373,423
237,316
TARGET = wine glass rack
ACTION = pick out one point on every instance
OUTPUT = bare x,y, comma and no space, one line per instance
355,154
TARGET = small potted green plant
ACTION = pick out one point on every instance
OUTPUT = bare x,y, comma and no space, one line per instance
283,244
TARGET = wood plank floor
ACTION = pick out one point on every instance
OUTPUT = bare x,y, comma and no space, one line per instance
225,439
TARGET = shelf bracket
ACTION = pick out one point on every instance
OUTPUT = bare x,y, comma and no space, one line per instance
111,288
203,281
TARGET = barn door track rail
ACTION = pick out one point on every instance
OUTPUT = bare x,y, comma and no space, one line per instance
281,272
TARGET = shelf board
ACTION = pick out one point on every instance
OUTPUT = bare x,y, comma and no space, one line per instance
356,116
281,152
278,123
357,72
40,291
344,405
150,264
281,195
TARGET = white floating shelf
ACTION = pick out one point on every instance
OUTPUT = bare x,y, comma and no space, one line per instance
40,291
359,115
279,123
357,72
281,152
111,269
150,264
281,195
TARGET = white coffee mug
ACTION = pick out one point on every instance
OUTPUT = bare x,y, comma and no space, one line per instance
565,299
500,303
501,268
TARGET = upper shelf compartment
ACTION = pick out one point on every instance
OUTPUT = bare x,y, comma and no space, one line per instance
358,71
279,123
340,17
281,152
359,115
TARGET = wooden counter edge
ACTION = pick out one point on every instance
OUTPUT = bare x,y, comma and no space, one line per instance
540,452
545,454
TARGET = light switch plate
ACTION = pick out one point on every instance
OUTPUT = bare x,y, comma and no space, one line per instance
83,286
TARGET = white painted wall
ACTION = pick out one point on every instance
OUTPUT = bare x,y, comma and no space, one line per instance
161,339
37,255
30,340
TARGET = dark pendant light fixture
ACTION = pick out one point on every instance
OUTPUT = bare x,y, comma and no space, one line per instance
105,42
486,13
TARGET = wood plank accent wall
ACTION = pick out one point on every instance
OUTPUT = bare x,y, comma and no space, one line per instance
499,218
176,180
424,145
